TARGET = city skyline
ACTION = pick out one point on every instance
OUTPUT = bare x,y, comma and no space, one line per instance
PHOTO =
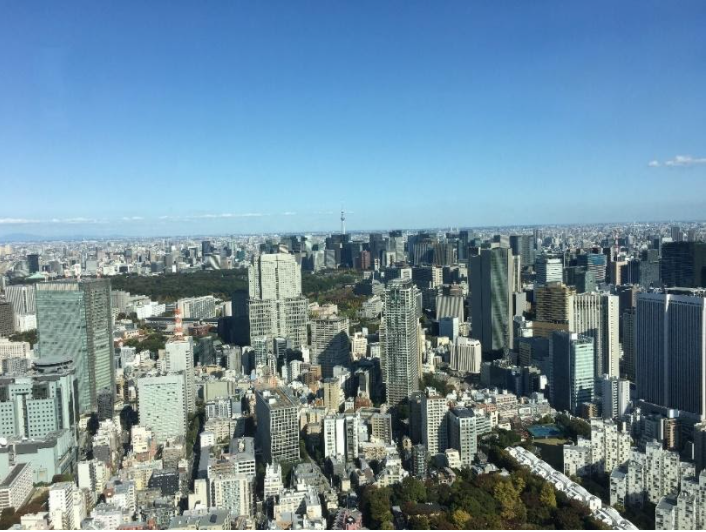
110,128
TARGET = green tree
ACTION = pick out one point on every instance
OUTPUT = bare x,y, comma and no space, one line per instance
409,490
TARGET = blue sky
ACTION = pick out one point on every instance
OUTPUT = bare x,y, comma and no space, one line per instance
194,117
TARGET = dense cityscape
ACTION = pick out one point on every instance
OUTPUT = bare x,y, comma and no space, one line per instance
402,379
352,265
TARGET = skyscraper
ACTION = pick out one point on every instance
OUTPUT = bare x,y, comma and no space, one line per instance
274,276
523,246
74,320
399,340
615,394
276,307
628,337
572,370
595,263
22,298
330,345
33,262
597,316
492,286
180,357
670,333
548,270
683,264
555,309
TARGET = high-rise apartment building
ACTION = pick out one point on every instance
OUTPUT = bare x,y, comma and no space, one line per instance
466,355
573,376
276,307
670,332
463,435
277,425
330,344
233,492
67,506
162,405
74,320
203,307
435,429
492,286
399,340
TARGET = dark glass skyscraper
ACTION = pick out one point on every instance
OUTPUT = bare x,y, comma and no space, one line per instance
492,285
683,264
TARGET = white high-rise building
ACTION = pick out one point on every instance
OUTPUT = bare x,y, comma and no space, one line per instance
399,339
276,307
466,355
434,422
233,492
687,511
608,448
197,307
463,435
162,405
92,475
274,276
67,506
649,476
180,357
597,316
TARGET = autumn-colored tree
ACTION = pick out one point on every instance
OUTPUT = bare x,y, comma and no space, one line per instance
460,518
547,496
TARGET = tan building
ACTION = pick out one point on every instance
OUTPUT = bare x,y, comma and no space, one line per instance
554,309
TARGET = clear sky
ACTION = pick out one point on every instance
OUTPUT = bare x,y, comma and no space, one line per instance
234,116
